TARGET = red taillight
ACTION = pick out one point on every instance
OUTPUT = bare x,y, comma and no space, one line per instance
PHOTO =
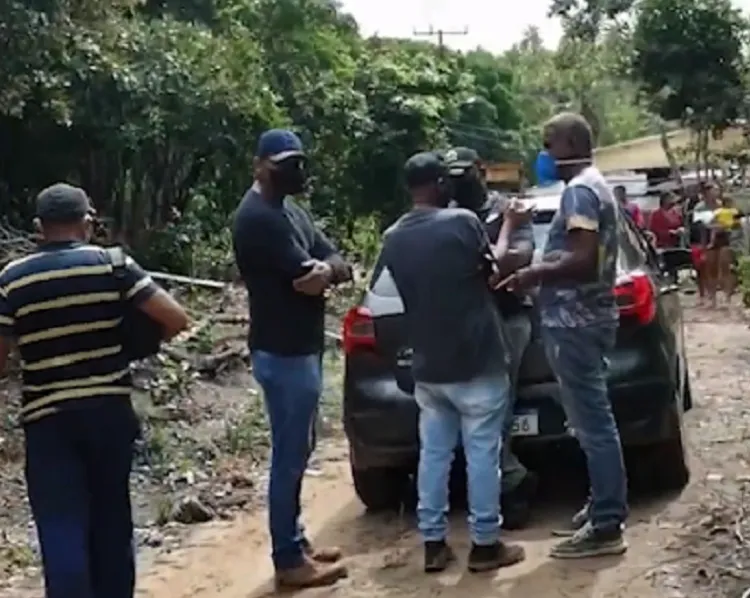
358,330
635,297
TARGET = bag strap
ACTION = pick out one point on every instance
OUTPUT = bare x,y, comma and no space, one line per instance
117,257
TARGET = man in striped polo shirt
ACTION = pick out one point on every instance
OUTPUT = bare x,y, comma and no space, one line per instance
62,307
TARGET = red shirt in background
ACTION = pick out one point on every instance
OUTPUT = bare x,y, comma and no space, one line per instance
663,221
635,214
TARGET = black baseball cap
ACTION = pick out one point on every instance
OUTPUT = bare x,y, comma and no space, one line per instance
424,168
63,203
460,159
279,144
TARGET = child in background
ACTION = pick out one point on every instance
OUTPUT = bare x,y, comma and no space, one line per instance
726,238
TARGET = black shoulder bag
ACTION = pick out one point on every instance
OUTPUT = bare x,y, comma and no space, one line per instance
140,335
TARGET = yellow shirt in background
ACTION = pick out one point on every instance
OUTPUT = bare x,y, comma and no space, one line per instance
726,217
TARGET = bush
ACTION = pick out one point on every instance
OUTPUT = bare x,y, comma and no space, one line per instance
743,276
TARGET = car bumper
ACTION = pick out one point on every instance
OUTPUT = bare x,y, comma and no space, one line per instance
381,420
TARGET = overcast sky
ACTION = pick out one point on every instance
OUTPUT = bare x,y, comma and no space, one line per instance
493,24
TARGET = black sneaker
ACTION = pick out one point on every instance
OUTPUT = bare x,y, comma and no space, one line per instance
494,556
437,556
590,542
578,521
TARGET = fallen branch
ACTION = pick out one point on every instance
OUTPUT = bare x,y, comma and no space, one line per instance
179,279
209,365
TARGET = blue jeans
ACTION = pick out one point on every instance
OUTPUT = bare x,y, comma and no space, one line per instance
518,332
291,388
77,472
473,411
577,357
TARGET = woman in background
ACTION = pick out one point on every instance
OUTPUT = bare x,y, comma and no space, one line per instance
705,213
726,239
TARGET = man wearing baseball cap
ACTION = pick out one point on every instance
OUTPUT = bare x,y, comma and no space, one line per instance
62,306
440,260
287,263
470,192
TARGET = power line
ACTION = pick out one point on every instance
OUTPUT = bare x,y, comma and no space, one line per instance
440,34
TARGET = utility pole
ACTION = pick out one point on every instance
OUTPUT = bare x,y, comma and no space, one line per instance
440,34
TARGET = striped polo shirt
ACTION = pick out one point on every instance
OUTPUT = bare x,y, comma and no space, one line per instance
62,305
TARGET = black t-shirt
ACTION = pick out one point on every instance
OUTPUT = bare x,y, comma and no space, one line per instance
491,215
271,242
439,260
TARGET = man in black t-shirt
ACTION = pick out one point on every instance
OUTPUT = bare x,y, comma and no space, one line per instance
470,192
440,260
287,263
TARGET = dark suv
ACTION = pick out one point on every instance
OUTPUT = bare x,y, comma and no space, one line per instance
647,377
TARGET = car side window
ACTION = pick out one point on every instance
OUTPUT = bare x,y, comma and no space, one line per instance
382,283
633,255
638,250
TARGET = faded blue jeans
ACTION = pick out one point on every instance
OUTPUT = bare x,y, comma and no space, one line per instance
291,389
473,411
577,357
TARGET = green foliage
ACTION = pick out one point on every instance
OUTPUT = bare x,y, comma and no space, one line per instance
743,276
581,75
585,19
154,106
688,56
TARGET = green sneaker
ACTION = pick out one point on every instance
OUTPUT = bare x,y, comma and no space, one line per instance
578,521
589,542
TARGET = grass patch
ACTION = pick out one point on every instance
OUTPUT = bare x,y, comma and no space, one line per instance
249,434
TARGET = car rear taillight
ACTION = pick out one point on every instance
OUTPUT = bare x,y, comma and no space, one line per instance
358,330
635,297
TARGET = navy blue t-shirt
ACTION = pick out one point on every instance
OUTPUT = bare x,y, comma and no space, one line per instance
440,261
271,242
62,306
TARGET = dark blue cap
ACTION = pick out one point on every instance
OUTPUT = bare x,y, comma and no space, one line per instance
63,203
279,144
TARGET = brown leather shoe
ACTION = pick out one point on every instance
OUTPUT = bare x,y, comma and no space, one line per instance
324,554
310,575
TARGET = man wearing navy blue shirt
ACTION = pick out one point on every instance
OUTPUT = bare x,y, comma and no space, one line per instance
287,264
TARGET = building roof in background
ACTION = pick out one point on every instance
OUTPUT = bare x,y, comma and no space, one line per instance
647,152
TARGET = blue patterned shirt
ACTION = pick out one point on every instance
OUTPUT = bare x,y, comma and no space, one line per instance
571,304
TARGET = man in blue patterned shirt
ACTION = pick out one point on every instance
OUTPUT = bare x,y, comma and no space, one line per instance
579,324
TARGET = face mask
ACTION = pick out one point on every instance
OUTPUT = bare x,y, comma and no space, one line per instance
548,168
468,191
289,177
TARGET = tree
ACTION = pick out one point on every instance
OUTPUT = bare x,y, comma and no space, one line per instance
586,19
688,59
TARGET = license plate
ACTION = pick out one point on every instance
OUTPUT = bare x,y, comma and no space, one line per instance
525,424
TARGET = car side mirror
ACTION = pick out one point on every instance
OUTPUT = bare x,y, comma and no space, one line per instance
674,259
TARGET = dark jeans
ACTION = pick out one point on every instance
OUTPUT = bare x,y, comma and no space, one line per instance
77,471
577,357
518,330
291,388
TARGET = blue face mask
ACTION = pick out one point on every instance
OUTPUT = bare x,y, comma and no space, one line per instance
545,169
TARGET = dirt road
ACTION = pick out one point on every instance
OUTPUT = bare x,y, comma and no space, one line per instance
229,560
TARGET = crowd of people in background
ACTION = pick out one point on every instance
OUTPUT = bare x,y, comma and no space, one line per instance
705,219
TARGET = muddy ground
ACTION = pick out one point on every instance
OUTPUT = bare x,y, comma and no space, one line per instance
697,543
